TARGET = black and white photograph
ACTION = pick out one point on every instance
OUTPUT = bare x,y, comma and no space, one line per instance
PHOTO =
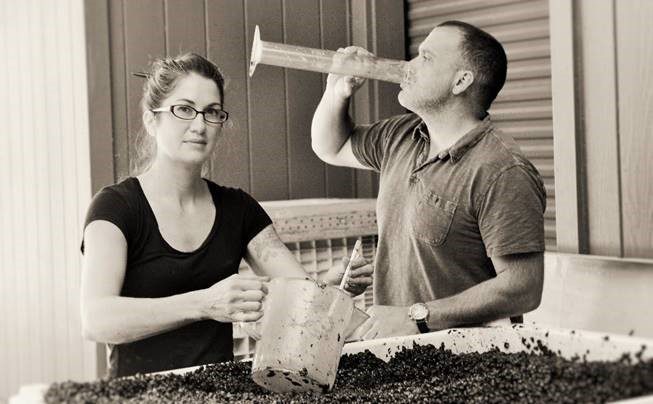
326,201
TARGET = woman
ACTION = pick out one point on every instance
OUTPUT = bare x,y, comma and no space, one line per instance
162,249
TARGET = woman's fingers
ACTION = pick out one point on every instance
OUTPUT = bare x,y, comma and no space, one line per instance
251,295
247,306
253,277
251,283
247,316
251,328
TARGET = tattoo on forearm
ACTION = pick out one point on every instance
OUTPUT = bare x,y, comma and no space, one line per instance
267,245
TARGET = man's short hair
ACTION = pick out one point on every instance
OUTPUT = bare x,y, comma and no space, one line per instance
485,56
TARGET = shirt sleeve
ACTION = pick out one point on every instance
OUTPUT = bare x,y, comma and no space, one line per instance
110,206
255,219
369,143
511,215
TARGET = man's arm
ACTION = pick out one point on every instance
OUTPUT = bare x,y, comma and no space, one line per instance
515,290
332,126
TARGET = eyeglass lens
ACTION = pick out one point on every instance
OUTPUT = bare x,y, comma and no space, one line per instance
212,115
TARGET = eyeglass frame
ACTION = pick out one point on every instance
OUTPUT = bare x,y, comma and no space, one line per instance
169,108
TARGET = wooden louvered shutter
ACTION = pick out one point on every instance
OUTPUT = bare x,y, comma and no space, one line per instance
523,107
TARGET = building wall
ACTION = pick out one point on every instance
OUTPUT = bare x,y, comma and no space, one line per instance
603,60
634,50
44,170
265,149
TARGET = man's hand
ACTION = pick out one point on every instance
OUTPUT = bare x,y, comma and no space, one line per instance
386,321
345,86
360,275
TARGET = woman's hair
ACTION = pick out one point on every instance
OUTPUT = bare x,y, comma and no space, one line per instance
162,78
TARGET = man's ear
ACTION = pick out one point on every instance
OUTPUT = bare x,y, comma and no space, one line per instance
462,81
148,122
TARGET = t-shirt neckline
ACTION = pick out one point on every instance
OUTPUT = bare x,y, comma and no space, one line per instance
215,199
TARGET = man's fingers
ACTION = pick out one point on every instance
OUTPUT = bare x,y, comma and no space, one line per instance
359,262
372,332
360,281
352,81
363,270
356,50
363,329
352,49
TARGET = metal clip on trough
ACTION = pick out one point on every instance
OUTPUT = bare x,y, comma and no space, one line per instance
324,61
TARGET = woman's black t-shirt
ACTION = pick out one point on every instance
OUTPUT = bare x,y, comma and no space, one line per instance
155,269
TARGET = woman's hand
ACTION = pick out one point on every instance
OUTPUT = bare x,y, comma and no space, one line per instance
236,298
360,275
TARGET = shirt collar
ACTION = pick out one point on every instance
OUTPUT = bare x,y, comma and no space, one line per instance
463,144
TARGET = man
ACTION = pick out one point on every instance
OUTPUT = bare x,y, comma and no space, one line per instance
460,209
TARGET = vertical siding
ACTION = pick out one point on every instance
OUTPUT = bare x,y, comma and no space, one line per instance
523,107
45,169
613,60
226,42
334,32
267,107
635,114
364,103
265,148
303,92
5,250
7,381
118,88
599,107
567,169
143,19
186,26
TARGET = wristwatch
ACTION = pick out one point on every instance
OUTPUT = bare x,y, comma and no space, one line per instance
419,313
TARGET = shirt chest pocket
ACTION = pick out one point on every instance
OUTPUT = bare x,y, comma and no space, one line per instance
433,218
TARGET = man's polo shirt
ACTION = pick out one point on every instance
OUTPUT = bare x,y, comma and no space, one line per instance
441,220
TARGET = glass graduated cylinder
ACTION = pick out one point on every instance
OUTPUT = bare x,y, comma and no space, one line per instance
325,61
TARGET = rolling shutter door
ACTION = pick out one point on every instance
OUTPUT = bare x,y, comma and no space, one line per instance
523,107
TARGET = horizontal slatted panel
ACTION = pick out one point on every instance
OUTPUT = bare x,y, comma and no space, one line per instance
421,18
523,108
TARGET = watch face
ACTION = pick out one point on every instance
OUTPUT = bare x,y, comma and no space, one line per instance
419,311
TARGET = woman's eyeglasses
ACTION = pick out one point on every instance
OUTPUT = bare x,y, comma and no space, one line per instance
188,113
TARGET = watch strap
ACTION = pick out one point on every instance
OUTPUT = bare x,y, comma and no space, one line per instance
422,326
